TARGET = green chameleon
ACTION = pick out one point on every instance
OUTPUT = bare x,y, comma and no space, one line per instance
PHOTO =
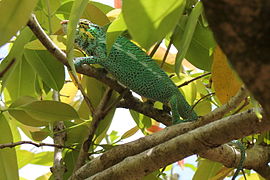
132,67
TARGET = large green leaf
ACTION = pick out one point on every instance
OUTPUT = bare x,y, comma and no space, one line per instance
94,11
24,157
188,34
14,14
114,30
16,51
95,15
37,45
43,158
20,81
8,159
77,10
21,115
200,47
206,169
47,67
49,111
150,21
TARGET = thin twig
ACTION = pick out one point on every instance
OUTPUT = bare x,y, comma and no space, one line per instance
2,73
210,94
34,25
155,49
13,144
97,117
187,82
166,53
112,105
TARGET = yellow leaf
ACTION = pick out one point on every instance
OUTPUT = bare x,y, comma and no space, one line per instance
253,176
223,172
68,92
225,81
130,132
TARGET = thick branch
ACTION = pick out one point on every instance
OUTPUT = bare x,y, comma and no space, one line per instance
198,140
256,157
118,153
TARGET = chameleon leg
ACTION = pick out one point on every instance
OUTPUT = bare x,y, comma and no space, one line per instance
174,107
86,60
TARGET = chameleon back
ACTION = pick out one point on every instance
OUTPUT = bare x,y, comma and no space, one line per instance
132,67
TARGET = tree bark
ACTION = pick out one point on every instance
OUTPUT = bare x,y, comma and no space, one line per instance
242,30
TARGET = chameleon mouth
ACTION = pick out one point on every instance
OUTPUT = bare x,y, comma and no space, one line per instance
64,22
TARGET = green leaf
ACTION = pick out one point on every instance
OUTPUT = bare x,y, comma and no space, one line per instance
201,45
206,169
16,51
43,158
115,29
37,45
50,6
95,15
20,81
103,7
76,11
150,21
14,15
8,159
95,90
141,120
76,134
24,157
21,115
188,34
47,67
113,136
49,111
26,119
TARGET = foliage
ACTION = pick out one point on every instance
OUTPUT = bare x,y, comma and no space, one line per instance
29,85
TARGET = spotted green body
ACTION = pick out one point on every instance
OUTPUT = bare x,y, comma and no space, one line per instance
132,67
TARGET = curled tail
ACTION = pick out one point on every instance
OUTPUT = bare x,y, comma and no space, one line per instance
180,107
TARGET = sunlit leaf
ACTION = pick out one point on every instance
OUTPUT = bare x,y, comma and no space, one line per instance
68,92
47,67
24,157
206,169
8,159
188,34
20,80
225,81
49,111
152,20
14,15
37,45
43,158
130,132
114,30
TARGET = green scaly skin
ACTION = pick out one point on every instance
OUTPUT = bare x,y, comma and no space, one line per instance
132,67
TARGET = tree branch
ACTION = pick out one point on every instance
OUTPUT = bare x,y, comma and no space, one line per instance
97,117
256,157
200,139
117,154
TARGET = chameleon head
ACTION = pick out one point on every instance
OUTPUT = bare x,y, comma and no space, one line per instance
84,27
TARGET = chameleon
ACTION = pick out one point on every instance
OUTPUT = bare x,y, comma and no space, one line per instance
131,66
